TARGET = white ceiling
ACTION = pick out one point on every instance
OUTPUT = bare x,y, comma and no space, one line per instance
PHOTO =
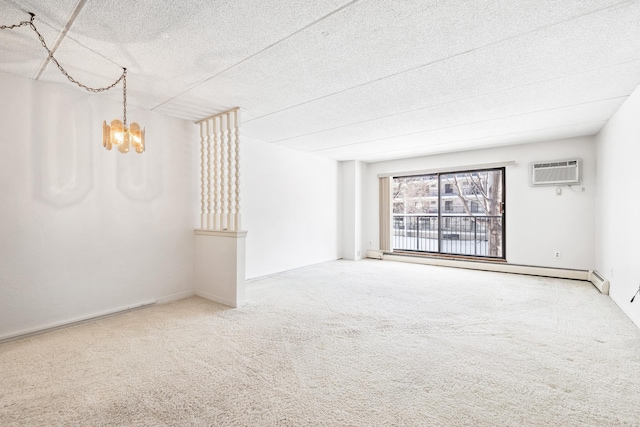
362,79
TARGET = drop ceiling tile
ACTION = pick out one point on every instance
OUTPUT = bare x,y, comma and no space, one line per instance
486,130
476,73
176,45
600,84
376,40
21,53
525,137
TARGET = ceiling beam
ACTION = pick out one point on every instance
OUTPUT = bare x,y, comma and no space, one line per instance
61,36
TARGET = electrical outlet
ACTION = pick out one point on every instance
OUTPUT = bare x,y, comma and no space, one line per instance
556,254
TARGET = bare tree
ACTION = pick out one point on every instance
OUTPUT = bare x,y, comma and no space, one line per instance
484,188
412,193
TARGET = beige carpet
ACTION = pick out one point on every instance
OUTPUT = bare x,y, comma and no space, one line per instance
366,343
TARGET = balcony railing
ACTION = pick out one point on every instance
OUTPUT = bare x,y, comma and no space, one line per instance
458,234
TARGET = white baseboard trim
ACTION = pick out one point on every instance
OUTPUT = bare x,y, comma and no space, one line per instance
95,316
217,299
560,273
176,297
251,279
74,321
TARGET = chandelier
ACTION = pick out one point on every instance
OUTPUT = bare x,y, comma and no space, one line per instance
117,134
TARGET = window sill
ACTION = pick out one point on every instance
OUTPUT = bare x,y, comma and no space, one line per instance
449,256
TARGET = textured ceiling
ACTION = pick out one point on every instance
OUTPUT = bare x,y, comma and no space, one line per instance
362,79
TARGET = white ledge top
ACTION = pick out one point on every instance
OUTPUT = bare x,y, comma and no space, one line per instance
220,233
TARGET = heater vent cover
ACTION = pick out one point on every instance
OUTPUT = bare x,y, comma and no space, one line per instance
599,282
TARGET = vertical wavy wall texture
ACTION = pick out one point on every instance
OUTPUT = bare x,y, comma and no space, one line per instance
84,230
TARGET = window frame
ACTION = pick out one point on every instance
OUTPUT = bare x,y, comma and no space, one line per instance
441,210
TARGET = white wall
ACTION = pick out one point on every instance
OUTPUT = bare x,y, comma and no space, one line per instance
617,231
537,221
352,179
84,230
290,205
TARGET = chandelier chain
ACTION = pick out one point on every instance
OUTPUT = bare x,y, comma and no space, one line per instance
60,67
11,27
111,136
124,96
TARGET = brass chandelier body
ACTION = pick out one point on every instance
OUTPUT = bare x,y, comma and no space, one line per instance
117,134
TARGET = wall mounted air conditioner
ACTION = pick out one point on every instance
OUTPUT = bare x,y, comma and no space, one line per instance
560,172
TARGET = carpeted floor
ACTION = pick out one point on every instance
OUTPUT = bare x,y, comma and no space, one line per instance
366,343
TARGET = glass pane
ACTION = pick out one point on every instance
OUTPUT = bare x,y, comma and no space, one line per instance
415,213
415,194
471,213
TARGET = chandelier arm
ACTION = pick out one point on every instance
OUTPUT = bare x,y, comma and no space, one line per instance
55,61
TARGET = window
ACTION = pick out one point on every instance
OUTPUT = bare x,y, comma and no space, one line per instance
460,213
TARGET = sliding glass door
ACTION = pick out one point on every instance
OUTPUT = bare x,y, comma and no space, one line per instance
458,213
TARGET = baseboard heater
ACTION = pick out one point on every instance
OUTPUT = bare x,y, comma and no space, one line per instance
375,254
560,273
599,282
76,321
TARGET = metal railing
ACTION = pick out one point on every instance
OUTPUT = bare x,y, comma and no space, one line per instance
457,234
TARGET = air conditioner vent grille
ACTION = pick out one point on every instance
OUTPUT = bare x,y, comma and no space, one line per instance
562,172
555,164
